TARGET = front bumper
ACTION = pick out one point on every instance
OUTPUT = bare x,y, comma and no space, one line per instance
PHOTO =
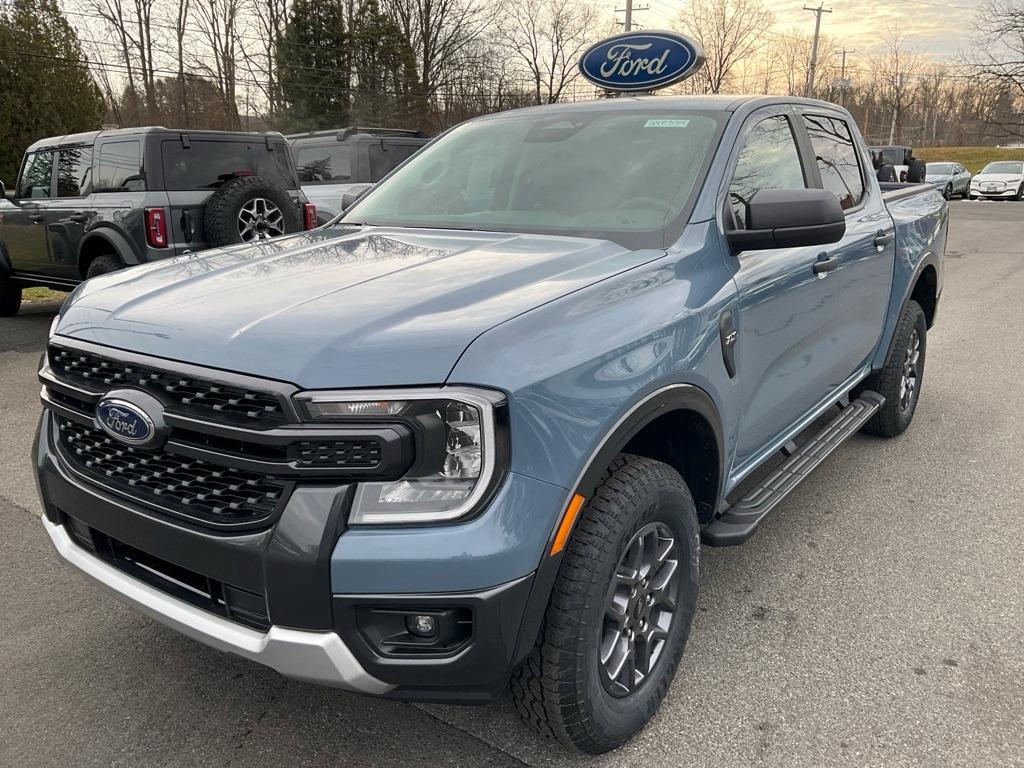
319,657
310,630
1009,192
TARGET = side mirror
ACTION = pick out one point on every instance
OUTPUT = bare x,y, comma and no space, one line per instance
788,218
354,193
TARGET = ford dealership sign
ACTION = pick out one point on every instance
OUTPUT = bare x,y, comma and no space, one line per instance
641,61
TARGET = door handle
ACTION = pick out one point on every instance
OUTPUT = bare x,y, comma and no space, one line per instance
883,237
825,264
35,218
80,218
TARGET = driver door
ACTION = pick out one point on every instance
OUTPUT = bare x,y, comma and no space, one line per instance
25,219
785,318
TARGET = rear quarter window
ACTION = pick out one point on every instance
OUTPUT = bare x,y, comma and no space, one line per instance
324,164
119,167
206,164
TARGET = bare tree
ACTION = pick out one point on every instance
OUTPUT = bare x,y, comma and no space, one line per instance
440,31
547,37
131,22
893,72
180,24
999,59
271,18
731,32
218,22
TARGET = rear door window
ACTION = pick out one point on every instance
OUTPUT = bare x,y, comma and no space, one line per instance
768,160
119,167
36,175
74,171
325,164
208,163
837,159
385,156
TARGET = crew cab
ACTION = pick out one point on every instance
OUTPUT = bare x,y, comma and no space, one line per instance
91,203
473,433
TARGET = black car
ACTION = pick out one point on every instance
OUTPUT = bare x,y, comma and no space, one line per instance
92,203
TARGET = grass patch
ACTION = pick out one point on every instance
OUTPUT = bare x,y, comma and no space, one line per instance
972,158
42,294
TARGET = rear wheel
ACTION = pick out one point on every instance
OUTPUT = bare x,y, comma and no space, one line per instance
10,297
900,380
620,611
103,264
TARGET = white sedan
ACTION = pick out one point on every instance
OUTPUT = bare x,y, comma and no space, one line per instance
1003,179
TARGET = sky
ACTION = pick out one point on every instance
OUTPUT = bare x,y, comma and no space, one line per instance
939,28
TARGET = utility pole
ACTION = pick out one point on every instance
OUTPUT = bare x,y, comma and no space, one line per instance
628,10
844,84
809,90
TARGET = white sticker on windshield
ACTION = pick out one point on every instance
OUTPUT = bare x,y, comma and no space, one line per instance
666,123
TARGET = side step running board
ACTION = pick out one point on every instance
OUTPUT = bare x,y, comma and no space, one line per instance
737,523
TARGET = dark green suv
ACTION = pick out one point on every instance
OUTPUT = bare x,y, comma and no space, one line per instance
94,202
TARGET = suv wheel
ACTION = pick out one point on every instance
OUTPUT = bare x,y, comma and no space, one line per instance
103,264
899,381
247,209
620,611
10,297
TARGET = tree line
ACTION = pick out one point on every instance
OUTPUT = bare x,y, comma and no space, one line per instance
296,65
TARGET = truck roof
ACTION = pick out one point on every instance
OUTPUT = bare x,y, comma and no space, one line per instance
91,136
706,103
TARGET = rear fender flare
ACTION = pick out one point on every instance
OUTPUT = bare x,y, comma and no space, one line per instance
117,243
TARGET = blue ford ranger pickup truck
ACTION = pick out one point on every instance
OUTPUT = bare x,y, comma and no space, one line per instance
472,433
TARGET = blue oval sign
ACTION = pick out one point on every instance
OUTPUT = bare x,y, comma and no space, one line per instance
641,61
125,421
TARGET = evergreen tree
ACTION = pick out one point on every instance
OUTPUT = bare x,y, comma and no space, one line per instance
384,69
313,66
46,88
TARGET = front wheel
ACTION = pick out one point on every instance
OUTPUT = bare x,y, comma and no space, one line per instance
620,611
900,380
1020,192
948,191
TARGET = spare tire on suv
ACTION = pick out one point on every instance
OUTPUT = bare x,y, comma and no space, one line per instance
249,208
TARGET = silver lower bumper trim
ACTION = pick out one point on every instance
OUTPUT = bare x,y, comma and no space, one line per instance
319,657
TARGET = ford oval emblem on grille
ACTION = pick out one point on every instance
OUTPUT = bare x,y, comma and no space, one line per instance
125,421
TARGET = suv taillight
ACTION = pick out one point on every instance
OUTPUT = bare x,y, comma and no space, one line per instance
309,215
156,227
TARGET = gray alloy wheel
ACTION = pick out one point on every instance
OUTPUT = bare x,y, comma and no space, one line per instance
908,383
639,607
260,219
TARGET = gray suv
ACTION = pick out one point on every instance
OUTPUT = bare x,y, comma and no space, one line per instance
92,203
346,162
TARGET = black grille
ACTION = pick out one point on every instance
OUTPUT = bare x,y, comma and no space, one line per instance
202,491
339,453
182,394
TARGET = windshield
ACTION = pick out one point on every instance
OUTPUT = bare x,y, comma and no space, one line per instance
939,169
1004,167
583,173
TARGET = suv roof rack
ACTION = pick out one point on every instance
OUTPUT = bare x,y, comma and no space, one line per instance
343,134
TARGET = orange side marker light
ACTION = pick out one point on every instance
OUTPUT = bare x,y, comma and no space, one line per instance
572,511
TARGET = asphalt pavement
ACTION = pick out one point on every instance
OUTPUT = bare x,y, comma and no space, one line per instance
876,619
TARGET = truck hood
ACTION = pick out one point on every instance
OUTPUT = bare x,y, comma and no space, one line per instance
337,307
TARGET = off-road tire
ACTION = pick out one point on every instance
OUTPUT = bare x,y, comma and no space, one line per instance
220,215
558,690
892,419
10,297
104,264
916,171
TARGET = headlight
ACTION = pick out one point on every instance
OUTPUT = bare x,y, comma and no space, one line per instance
456,450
